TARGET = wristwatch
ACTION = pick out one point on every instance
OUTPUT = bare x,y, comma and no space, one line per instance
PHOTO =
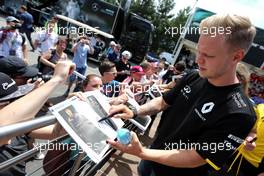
133,109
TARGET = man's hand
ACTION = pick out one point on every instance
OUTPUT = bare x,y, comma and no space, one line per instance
79,95
249,142
121,99
37,83
63,69
121,111
134,148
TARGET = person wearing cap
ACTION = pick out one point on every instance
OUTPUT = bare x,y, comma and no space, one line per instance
115,55
110,49
135,80
46,39
17,69
26,19
26,108
123,66
81,50
54,20
29,105
13,43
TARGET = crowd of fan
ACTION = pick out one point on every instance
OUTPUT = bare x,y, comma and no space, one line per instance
118,78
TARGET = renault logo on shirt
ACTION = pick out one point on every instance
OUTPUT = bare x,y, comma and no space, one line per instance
185,91
207,107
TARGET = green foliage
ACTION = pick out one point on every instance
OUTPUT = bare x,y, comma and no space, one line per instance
161,17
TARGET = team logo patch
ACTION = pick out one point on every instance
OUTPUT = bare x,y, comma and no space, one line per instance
207,107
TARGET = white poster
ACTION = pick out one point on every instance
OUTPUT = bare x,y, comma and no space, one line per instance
80,119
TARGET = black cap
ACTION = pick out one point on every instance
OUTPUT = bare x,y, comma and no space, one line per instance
9,90
12,65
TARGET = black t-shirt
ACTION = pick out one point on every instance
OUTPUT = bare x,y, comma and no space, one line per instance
212,120
121,66
17,146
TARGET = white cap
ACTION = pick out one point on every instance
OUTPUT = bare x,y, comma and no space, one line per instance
112,43
126,54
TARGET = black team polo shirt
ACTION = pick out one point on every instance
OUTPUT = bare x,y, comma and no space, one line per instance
212,120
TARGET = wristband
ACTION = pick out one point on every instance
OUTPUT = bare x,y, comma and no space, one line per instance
133,109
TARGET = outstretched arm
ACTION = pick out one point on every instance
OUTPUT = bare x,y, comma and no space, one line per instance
27,106
152,107
171,157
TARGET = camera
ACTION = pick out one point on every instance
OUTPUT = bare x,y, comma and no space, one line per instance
45,78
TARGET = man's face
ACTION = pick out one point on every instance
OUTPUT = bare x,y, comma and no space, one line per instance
125,59
110,75
50,27
11,23
137,76
94,84
117,49
62,45
148,71
214,57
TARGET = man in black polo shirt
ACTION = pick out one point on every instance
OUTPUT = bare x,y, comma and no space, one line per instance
209,114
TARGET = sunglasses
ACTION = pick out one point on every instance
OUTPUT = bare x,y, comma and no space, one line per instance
96,85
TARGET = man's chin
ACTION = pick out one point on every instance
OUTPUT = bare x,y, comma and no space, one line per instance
202,74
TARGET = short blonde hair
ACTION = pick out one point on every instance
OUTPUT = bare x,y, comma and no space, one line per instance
238,30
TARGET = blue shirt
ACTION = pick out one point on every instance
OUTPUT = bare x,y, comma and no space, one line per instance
28,21
113,56
111,89
80,56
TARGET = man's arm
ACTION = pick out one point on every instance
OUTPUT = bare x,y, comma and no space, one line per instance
173,157
48,132
27,106
25,53
45,59
36,43
152,107
74,48
91,48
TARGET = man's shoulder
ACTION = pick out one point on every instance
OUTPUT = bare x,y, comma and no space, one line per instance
114,82
28,15
239,105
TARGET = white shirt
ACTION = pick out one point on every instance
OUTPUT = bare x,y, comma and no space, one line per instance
47,41
13,41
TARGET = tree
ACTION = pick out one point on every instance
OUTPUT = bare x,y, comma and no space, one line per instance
144,8
162,19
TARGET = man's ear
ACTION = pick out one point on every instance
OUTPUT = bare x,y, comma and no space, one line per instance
239,55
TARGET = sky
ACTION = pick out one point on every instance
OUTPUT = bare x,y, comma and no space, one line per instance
251,8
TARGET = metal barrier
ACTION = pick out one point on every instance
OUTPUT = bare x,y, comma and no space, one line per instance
89,168
17,129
